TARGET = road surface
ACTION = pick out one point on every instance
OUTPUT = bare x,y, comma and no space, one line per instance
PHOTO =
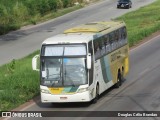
139,92
20,43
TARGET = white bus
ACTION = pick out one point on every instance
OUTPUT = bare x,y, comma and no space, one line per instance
81,63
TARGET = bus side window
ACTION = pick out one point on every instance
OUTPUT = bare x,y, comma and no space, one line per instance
125,34
96,49
106,43
111,39
114,40
120,37
117,38
103,50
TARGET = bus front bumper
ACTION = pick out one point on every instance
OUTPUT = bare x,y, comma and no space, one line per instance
62,98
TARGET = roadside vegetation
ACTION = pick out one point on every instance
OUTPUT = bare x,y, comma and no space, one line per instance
142,23
18,83
17,13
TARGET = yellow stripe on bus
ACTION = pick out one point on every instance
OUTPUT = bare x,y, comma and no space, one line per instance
56,90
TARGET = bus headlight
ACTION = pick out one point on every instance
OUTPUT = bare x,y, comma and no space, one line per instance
45,91
82,90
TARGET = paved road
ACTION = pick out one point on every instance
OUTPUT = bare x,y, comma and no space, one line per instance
139,92
20,43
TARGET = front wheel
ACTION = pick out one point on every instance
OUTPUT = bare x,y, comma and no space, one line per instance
97,94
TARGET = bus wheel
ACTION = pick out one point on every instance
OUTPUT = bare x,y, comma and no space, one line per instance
119,80
97,94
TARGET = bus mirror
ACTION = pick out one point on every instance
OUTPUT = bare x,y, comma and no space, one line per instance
89,61
35,63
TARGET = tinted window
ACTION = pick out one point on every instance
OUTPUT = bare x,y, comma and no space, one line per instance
124,0
110,42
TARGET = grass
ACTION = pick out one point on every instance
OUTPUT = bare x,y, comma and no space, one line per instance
142,23
52,15
19,83
17,13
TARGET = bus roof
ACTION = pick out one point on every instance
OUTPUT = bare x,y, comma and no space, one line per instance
84,33
94,27
69,38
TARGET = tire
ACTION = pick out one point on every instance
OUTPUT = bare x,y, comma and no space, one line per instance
97,95
119,80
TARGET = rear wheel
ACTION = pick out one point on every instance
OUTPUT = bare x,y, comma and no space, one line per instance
119,80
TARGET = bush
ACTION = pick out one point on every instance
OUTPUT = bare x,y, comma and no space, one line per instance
3,15
32,6
20,12
59,4
14,13
43,6
53,5
65,3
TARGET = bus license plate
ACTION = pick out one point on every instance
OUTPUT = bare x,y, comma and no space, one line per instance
63,98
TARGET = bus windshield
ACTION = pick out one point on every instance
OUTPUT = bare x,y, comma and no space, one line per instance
64,50
61,70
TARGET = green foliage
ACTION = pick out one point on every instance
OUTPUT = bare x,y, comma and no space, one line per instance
66,3
32,7
18,83
43,6
142,23
19,13
59,4
53,5
13,13
11,66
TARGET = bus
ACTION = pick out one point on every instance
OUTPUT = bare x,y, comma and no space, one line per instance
82,62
